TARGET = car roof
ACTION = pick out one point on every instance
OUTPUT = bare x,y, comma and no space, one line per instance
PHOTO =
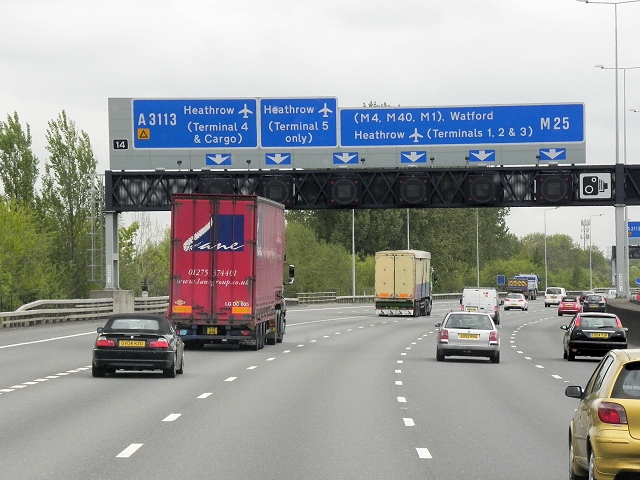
163,323
628,355
464,312
597,314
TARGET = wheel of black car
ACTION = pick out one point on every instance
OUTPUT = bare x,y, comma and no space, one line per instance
571,356
564,353
171,371
180,371
98,371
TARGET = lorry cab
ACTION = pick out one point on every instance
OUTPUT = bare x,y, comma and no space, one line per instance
483,300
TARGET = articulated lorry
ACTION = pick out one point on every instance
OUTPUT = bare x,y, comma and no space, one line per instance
226,270
403,282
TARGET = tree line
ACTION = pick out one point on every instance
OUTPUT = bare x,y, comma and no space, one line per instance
52,234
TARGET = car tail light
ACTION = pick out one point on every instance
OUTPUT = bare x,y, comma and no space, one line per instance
443,336
495,309
614,413
462,307
493,338
160,343
578,322
105,342
618,322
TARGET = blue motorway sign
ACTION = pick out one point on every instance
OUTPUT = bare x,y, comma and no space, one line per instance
298,122
633,229
210,124
479,125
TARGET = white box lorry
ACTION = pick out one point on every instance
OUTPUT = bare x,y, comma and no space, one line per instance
403,282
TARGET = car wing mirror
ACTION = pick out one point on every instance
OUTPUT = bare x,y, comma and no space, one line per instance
100,330
564,327
574,391
438,325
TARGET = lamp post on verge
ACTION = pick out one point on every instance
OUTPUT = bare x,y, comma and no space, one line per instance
624,104
546,283
590,267
622,248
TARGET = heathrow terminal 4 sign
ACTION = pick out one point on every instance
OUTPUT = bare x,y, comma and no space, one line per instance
314,133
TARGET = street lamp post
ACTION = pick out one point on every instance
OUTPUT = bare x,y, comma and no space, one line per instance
622,255
590,267
546,283
624,104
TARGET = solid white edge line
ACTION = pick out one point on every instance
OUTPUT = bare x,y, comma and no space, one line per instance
130,450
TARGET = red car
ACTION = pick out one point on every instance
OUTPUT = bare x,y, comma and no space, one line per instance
569,305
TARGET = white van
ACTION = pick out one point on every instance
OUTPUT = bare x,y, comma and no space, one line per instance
481,299
553,295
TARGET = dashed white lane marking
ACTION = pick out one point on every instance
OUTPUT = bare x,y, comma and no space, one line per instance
402,400
539,366
287,351
6,390
270,359
398,382
399,361
171,417
398,371
423,453
408,422
403,354
314,341
230,379
130,450
252,367
41,379
300,346
205,395
557,376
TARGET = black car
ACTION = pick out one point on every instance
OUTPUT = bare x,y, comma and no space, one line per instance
584,295
593,334
594,303
135,341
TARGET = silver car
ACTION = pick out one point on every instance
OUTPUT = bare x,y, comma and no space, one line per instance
468,334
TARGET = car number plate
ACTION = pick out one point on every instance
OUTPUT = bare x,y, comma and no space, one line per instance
599,335
132,343
472,309
212,330
470,336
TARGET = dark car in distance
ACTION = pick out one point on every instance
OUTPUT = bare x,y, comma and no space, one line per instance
134,341
594,303
593,334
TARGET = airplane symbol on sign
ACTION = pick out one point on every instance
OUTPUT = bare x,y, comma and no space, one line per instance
325,111
416,136
245,111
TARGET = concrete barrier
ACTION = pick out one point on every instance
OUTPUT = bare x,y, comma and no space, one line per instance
629,313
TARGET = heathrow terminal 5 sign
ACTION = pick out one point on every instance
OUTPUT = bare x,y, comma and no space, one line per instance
314,133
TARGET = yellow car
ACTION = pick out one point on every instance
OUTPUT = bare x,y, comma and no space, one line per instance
604,434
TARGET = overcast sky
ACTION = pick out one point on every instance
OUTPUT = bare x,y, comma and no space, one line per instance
73,55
